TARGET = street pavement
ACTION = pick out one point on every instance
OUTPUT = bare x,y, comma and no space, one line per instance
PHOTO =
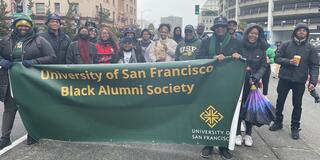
267,145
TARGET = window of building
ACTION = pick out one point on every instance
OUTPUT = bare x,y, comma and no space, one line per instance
40,8
57,8
76,9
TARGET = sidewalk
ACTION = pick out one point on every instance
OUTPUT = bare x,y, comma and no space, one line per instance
267,145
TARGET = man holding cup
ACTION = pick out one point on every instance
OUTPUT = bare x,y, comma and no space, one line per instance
298,59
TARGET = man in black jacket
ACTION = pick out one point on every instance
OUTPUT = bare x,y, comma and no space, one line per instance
57,38
298,59
219,45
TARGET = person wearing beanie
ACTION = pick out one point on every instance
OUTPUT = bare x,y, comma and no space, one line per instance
127,53
82,51
57,38
164,48
298,59
93,35
219,45
107,46
189,48
21,45
146,44
131,33
177,34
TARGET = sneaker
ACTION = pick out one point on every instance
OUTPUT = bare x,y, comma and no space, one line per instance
4,142
31,141
295,133
206,151
243,128
276,126
238,140
224,152
248,141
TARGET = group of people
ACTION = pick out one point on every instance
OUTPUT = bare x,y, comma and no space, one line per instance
93,46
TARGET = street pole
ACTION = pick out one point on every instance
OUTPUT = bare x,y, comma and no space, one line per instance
237,11
270,20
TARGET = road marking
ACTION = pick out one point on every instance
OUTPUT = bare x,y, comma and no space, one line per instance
15,143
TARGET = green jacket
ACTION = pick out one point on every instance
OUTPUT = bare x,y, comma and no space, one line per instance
188,50
271,55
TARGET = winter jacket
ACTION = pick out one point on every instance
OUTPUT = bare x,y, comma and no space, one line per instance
234,46
188,50
309,63
146,51
159,51
60,44
105,52
255,54
136,57
74,57
34,48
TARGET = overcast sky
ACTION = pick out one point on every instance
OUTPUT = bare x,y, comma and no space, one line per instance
154,9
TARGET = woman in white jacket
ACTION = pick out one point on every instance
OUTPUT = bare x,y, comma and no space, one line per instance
164,49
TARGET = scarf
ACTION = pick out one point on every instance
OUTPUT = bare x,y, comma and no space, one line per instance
212,44
299,41
84,51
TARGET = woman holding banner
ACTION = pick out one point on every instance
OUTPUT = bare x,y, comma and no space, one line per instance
22,45
254,50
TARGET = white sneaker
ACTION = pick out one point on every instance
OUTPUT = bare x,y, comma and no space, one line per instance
248,141
243,128
239,140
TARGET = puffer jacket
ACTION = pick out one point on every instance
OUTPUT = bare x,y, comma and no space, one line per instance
255,54
34,47
60,44
309,63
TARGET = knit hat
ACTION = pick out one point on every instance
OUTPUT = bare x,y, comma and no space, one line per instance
53,16
188,28
23,22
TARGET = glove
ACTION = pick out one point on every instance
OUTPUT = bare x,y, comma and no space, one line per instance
6,64
27,63
315,95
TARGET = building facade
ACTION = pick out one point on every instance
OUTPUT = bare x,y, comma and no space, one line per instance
122,13
209,11
284,15
174,21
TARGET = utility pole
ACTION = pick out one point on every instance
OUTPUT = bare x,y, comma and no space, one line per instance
270,20
237,11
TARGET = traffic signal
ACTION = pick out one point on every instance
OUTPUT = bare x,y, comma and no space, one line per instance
197,9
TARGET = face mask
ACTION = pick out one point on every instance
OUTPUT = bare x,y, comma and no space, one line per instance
84,36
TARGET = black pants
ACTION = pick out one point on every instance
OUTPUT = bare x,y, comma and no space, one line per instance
9,114
284,86
246,91
265,80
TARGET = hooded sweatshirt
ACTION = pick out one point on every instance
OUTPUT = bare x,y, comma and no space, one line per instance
188,49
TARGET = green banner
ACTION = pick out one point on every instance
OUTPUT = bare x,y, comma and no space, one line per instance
189,102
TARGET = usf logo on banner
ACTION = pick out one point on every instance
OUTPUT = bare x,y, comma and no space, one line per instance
191,102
